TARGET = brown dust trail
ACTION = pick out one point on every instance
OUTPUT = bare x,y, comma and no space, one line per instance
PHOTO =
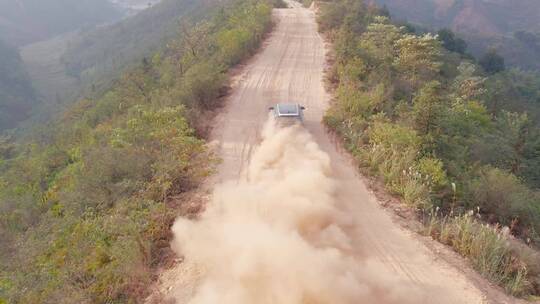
277,237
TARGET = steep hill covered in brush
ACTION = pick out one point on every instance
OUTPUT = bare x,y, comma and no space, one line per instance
510,26
86,202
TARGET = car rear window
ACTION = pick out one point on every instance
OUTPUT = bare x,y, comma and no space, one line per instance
287,109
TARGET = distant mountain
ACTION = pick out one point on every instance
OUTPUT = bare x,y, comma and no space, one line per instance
511,26
17,97
100,51
26,21
488,17
135,5
86,62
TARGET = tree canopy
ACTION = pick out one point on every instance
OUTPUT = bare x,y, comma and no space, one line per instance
492,62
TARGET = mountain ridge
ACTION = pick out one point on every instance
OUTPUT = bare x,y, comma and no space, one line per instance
497,17
510,27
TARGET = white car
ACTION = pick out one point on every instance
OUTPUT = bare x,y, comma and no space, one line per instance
288,113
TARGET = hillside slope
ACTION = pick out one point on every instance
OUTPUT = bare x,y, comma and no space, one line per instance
86,202
446,136
485,17
510,26
99,51
85,63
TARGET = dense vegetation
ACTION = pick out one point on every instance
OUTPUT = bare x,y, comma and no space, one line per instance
86,205
17,97
27,21
441,132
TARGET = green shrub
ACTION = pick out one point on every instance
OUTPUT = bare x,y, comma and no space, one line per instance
504,196
202,84
432,170
393,154
394,136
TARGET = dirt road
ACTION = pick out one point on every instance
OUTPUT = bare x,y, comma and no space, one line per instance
290,69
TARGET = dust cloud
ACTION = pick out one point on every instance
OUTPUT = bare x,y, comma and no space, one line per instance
278,237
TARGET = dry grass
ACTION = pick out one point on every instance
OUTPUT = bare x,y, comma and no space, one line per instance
489,248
